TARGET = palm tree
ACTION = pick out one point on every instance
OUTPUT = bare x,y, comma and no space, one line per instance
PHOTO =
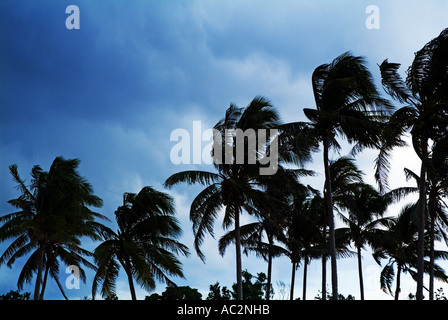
304,237
425,94
436,190
365,207
271,223
398,244
145,245
53,215
253,235
347,104
437,208
236,186
252,239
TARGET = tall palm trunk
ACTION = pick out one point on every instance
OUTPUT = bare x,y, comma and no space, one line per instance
331,236
44,283
432,217
305,270
239,275
397,288
324,277
293,279
421,221
361,281
268,285
39,273
62,290
127,268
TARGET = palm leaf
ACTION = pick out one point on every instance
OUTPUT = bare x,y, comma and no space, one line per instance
387,277
392,82
203,213
192,177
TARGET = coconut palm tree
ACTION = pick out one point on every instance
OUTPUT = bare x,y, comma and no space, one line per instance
252,240
237,185
365,207
348,105
425,94
398,243
436,190
304,237
53,215
145,245
271,222
437,207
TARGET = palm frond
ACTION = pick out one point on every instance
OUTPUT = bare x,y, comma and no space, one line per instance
386,278
192,177
392,82
203,213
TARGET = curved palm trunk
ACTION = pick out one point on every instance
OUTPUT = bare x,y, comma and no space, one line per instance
293,279
239,275
44,283
331,237
421,225
268,284
305,271
62,290
361,281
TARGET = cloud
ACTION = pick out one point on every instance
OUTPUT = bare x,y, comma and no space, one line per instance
112,92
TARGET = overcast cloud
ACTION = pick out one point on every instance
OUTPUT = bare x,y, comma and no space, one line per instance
111,92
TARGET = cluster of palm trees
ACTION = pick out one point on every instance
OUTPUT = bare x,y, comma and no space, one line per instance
348,106
53,216
289,218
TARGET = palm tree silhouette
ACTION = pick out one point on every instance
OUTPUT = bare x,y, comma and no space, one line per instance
347,104
235,187
145,245
304,236
53,215
398,243
365,207
425,95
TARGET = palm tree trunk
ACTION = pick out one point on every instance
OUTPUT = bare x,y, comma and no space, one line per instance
331,236
397,288
421,224
239,275
62,290
324,277
305,270
39,273
361,281
44,283
432,217
293,279
127,268
268,284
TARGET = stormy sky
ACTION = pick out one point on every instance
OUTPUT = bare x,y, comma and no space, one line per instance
111,92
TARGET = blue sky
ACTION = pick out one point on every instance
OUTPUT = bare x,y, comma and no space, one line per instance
111,93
